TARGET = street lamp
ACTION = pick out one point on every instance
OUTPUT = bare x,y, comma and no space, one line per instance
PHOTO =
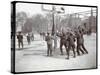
53,11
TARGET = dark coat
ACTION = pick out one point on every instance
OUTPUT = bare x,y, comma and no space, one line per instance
28,37
80,39
71,39
20,37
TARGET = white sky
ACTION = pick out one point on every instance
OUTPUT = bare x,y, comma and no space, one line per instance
32,9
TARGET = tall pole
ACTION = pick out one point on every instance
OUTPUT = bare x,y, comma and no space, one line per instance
54,28
54,25
75,19
91,19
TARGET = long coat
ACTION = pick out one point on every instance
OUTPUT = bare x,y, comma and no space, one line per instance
80,39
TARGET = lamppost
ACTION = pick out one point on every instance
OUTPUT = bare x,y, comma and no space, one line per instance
54,30
91,22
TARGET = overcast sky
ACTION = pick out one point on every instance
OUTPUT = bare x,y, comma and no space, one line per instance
32,9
